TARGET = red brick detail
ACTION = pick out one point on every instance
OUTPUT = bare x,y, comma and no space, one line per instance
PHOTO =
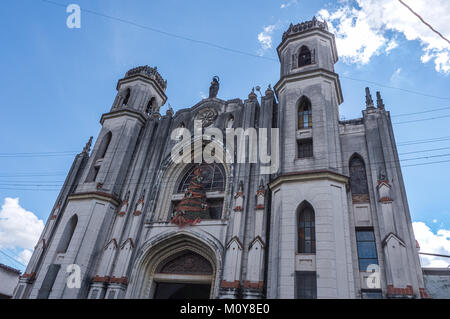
385,200
254,285
99,185
259,206
97,278
122,214
238,209
239,194
230,284
423,293
260,192
360,198
53,217
29,276
383,181
408,291
121,280
137,213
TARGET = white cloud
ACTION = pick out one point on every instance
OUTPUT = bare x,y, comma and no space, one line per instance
265,37
391,46
362,31
430,242
24,256
19,228
395,77
288,4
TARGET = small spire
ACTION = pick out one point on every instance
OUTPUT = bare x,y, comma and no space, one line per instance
269,90
369,101
169,111
380,103
252,95
87,147
261,184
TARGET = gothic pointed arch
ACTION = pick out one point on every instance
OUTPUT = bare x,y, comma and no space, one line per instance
358,179
306,243
67,234
171,175
304,113
304,56
151,106
127,96
99,156
176,258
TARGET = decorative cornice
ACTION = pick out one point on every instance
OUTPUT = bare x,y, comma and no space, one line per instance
235,239
392,235
150,73
305,26
308,175
124,112
254,285
259,239
230,284
96,195
318,72
408,291
121,280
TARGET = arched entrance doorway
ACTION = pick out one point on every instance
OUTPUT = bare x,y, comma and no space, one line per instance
176,262
185,275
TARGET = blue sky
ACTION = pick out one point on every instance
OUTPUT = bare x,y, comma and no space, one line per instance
56,82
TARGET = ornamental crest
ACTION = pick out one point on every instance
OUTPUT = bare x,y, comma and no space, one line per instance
207,116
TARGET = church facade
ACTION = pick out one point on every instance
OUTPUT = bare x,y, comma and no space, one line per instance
329,219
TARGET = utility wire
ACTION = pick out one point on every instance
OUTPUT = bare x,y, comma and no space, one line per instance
15,260
424,22
372,166
221,47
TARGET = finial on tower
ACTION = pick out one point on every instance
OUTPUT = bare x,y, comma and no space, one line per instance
380,103
269,90
87,147
369,100
252,95
169,111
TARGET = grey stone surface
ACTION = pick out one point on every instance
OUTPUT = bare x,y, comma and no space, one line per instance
122,198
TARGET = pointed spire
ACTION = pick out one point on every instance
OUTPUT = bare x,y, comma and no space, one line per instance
261,184
87,147
169,111
369,100
380,103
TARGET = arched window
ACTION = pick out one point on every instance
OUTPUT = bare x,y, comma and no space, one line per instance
306,230
304,113
67,234
230,122
358,179
150,106
104,145
127,97
213,178
99,156
304,56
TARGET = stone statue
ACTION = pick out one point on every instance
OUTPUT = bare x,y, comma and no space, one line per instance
214,88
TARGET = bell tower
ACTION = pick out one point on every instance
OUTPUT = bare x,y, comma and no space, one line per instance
309,210
309,94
